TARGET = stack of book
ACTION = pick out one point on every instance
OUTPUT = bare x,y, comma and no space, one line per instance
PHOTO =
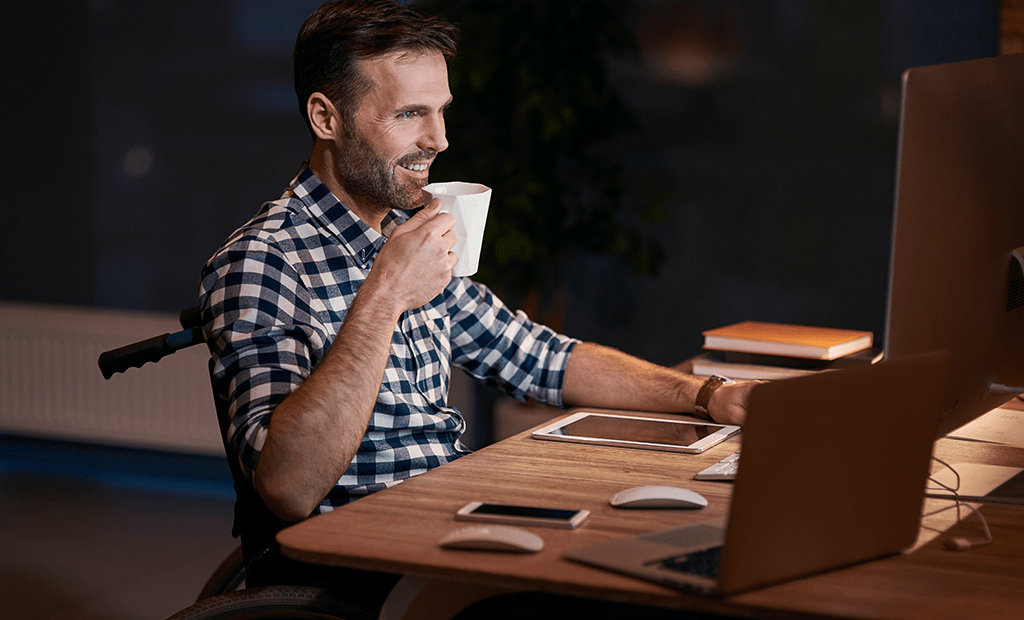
759,350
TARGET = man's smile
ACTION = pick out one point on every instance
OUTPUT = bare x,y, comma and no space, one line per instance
417,161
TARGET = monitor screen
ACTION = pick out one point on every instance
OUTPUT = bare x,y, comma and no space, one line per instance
956,279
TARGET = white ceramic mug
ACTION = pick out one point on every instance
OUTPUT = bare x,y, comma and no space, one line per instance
468,202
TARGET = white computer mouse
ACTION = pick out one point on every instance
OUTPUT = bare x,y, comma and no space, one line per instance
493,538
658,497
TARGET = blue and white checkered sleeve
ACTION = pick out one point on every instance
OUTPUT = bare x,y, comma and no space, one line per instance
505,348
261,333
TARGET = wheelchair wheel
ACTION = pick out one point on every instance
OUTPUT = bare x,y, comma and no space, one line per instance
274,602
228,576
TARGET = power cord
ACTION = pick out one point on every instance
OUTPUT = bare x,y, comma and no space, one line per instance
960,543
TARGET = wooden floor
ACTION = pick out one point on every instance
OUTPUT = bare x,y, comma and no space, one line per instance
106,542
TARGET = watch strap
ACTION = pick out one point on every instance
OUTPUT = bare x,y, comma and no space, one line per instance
704,395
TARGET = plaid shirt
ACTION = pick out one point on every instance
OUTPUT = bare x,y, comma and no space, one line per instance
274,298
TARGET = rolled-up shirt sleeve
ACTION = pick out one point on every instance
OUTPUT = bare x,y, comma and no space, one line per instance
263,338
505,348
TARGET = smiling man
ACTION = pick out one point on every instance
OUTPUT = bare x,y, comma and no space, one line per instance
332,316
379,159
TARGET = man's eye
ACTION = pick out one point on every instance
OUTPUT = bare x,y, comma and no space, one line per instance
408,114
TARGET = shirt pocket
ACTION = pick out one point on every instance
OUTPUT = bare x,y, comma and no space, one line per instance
428,332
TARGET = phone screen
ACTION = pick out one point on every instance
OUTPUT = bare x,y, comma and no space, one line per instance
524,511
522,515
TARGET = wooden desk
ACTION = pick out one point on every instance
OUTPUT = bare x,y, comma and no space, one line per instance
397,531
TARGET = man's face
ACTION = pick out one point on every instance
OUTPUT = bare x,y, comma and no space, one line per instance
384,160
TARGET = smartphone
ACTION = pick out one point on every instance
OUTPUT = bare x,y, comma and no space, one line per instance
522,515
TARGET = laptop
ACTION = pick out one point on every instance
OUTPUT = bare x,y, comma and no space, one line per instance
833,473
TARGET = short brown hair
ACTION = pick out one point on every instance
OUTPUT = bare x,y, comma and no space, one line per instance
340,33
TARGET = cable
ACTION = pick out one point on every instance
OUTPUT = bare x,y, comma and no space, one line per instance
959,543
952,490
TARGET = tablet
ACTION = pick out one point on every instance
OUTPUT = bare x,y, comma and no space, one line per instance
637,432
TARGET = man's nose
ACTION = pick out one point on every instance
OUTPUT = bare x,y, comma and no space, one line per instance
434,137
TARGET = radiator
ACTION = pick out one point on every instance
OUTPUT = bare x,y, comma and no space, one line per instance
51,386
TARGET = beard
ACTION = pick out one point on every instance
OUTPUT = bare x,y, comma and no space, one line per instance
371,181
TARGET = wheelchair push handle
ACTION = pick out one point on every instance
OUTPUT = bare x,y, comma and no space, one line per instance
152,349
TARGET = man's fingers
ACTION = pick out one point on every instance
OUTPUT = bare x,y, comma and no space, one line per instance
421,217
430,214
451,237
438,224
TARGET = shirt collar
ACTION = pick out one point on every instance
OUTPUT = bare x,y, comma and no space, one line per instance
341,223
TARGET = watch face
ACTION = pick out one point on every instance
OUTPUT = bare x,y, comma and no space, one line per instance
713,384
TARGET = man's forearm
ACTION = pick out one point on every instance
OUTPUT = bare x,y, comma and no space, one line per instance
315,432
599,376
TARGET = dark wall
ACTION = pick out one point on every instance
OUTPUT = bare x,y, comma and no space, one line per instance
137,136
775,159
47,245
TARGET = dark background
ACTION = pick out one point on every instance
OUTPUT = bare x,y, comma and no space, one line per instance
137,136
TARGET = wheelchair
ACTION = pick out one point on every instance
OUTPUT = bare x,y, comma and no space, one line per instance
223,596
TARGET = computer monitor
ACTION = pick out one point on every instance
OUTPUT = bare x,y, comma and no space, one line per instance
956,275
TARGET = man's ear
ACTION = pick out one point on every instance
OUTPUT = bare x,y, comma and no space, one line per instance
323,117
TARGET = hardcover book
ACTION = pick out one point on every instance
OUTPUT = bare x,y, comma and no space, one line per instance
820,343
745,366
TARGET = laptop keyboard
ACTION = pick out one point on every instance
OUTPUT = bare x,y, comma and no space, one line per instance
722,470
703,563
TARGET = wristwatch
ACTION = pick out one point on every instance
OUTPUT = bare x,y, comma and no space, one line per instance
704,395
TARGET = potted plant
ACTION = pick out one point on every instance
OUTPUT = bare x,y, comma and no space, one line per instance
533,105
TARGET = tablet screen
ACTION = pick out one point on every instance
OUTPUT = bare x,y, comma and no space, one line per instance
653,433
644,430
